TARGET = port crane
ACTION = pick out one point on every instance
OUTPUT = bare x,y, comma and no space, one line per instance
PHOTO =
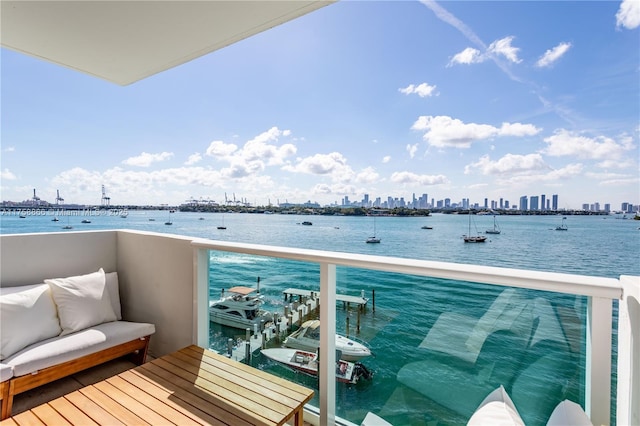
59,199
35,199
105,200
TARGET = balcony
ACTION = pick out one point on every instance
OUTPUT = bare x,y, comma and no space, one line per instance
166,280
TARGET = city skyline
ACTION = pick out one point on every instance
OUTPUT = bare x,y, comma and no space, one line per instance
539,202
464,99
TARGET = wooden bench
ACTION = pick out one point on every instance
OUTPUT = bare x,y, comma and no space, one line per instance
137,349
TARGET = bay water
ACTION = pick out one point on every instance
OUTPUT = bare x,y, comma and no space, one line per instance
406,307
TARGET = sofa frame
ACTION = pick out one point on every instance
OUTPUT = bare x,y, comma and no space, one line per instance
137,349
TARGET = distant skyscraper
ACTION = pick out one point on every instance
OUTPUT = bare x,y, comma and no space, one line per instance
543,202
524,203
554,203
533,203
486,203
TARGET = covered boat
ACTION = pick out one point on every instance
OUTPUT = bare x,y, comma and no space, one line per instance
307,338
239,308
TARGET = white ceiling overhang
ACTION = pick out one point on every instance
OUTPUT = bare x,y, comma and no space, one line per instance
125,41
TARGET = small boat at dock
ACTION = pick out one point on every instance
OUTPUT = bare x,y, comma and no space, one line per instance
307,338
307,362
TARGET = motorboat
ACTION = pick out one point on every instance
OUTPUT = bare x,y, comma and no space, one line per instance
238,307
307,338
307,362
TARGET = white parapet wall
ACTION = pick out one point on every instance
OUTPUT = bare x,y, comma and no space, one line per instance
155,273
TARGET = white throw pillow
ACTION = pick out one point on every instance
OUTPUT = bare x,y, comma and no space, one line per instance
27,315
497,409
568,413
82,301
114,293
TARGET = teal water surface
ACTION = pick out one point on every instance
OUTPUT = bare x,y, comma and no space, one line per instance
406,306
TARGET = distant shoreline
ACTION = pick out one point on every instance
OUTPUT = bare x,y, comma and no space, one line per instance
81,210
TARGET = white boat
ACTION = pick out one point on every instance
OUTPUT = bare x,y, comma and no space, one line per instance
307,338
239,308
495,229
307,362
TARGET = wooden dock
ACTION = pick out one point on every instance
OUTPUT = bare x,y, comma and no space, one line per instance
302,305
359,301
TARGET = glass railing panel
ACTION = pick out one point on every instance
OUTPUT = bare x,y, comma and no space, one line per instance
441,346
438,346
272,276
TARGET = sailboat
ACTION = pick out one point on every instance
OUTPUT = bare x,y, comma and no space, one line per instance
563,226
169,222
373,239
222,226
496,228
68,225
473,239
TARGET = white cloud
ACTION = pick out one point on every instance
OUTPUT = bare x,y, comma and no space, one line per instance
444,131
146,159
221,149
508,165
500,47
567,143
409,178
551,177
412,149
503,47
628,16
333,164
193,159
552,55
423,90
368,175
7,175
386,159
10,149
467,56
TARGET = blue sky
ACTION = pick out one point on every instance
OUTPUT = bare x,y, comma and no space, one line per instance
454,99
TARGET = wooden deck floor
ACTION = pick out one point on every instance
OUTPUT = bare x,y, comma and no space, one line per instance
51,391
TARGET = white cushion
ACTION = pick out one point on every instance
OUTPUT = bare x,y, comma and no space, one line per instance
373,420
497,409
82,301
27,315
66,348
113,288
568,413
6,372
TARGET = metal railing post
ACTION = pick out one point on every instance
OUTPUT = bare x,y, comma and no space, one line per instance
628,390
201,297
598,362
326,375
